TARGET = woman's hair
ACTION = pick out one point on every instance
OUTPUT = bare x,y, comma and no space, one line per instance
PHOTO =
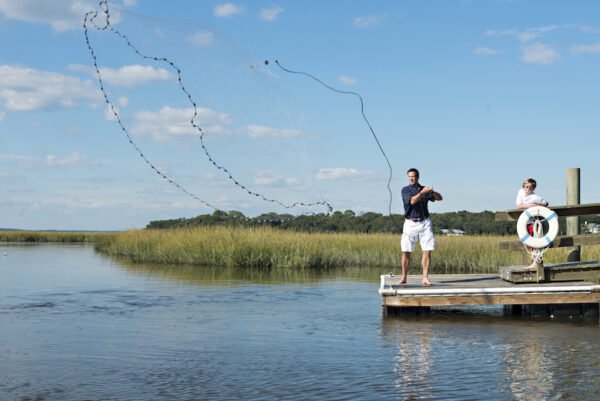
531,182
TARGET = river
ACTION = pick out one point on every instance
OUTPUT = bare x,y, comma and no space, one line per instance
76,325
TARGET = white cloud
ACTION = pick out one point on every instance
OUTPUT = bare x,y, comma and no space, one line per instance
343,173
74,159
134,75
486,51
201,38
346,80
293,181
170,124
2,116
129,3
27,89
81,67
491,32
543,29
540,53
526,35
227,10
109,114
590,29
260,131
128,76
71,129
577,49
270,14
267,177
25,162
123,101
366,21
62,15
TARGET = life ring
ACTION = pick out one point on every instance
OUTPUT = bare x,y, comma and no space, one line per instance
530,213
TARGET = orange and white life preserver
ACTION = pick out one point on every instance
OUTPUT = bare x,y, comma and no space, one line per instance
530,213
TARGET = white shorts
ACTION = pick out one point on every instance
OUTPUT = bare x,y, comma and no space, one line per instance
414,232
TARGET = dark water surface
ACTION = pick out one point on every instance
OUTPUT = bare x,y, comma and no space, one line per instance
75,325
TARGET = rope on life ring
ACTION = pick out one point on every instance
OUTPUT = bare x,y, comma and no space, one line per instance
543,240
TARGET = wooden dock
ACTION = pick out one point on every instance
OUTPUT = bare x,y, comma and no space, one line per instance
563,286
482,289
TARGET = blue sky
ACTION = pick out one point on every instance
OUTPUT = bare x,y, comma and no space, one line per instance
478,95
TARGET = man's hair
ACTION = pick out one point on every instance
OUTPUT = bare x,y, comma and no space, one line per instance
531,182
413,170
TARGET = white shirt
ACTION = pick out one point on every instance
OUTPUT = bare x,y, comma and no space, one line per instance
531,198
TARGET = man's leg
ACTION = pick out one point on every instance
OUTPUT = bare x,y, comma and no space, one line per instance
427,245
405,264
407,244
426,261
533,265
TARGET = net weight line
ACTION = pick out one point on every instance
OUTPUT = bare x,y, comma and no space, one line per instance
90,18
362,111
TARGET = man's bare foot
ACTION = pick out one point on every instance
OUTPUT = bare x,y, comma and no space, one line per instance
402,280
531,266
426,282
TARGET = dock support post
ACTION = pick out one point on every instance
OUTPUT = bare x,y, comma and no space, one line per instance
573,198
540,272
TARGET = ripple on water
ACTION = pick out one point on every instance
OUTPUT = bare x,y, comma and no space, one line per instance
105,332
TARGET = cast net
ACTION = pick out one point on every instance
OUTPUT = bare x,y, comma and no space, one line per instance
223,127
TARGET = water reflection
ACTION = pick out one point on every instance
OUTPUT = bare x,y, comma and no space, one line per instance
216,275
529,361
412,365
459,357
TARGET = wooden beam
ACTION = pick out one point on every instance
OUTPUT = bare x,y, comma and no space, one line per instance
560,241
567,210
504,299
570,271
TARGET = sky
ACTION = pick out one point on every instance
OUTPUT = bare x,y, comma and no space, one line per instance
478,95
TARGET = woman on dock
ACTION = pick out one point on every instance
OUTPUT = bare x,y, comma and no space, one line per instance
526,198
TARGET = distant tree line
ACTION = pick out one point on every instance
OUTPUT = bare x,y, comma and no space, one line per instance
469,222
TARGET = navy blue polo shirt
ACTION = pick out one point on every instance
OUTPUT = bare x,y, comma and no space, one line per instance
419,209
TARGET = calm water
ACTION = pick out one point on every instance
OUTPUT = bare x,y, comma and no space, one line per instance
75,325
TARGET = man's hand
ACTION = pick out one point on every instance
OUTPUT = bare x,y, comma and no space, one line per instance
427,190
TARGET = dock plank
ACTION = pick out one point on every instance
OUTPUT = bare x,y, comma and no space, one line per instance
560,241
566,210
482,289
516,299
556,272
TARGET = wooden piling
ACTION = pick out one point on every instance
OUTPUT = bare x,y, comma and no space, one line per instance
573,198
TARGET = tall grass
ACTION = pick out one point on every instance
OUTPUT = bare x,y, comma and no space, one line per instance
51,236
259,248
278,249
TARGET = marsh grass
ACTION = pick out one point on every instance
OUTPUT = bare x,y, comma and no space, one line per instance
51,236
270,248
259,248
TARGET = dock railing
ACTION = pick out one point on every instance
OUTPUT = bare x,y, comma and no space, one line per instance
543,274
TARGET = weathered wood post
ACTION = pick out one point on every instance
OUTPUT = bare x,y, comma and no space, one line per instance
573,198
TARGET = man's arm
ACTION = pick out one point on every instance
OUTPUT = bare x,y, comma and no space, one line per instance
528,205
426,190
417,198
